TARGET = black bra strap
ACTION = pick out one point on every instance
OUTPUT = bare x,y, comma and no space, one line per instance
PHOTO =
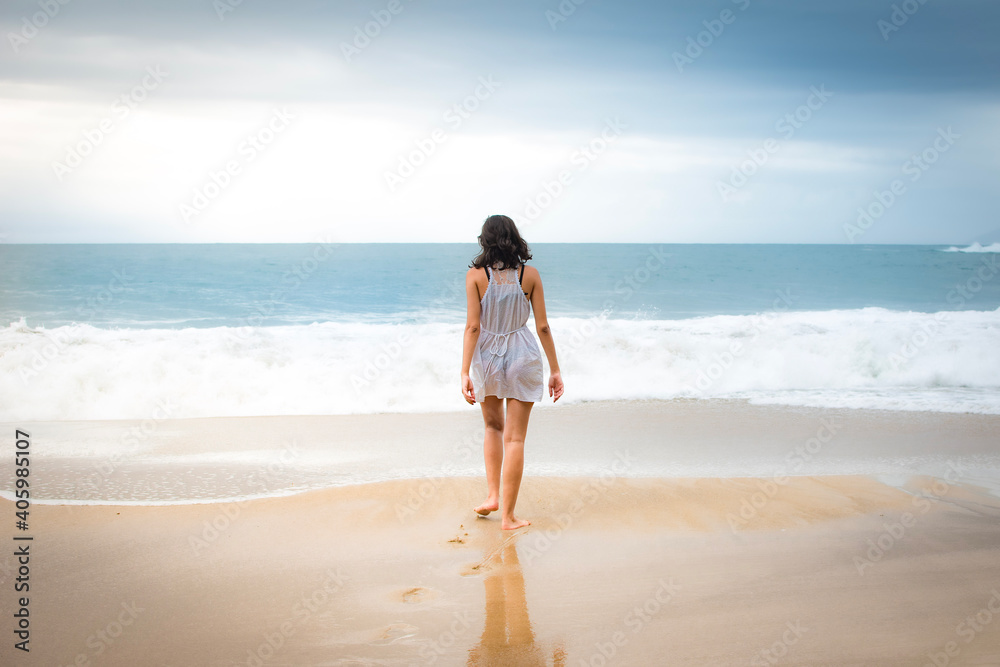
487,273
521,275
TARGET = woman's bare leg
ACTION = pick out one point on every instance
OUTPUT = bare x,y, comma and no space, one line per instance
513,460
492,452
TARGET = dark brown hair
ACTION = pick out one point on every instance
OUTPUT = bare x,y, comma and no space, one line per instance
502,245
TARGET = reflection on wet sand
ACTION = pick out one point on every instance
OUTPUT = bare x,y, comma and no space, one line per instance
507,635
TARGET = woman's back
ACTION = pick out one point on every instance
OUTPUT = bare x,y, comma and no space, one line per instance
505,306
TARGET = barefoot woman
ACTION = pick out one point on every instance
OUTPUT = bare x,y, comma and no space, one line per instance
500,358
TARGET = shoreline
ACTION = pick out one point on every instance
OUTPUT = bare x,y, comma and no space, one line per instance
634,568
775,481
229,459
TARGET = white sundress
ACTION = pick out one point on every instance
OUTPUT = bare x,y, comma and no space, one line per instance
506,362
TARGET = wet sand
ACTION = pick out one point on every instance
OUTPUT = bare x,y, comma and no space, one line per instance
832,570
144,461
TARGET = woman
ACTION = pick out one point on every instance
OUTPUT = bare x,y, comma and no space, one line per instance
500,358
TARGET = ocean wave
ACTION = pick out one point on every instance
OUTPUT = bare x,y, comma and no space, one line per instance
975,247
870,357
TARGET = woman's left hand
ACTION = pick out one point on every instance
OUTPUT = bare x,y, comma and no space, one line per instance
467,390
555,386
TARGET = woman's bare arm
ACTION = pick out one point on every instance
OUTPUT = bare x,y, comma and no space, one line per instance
537,297
471,337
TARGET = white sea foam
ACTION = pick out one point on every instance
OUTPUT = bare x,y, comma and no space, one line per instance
872,357
975,247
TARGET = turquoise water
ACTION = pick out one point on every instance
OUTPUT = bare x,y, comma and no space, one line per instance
282,284
112,331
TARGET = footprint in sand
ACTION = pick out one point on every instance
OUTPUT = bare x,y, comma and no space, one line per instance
417,594
394,633
461,537
475,569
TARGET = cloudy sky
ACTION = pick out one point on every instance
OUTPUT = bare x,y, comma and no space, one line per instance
412,120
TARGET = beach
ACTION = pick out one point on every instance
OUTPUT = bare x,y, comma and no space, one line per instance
744,261
814,566
767,454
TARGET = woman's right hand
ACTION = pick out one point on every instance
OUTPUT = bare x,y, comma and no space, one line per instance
467,389
555,386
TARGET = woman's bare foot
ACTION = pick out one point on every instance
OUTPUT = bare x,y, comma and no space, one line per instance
487,507
513,523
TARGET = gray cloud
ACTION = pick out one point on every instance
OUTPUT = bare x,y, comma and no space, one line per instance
564,74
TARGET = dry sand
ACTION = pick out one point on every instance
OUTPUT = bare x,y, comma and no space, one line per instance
837,570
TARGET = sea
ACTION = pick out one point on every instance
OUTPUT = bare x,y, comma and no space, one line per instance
153,334
106,331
